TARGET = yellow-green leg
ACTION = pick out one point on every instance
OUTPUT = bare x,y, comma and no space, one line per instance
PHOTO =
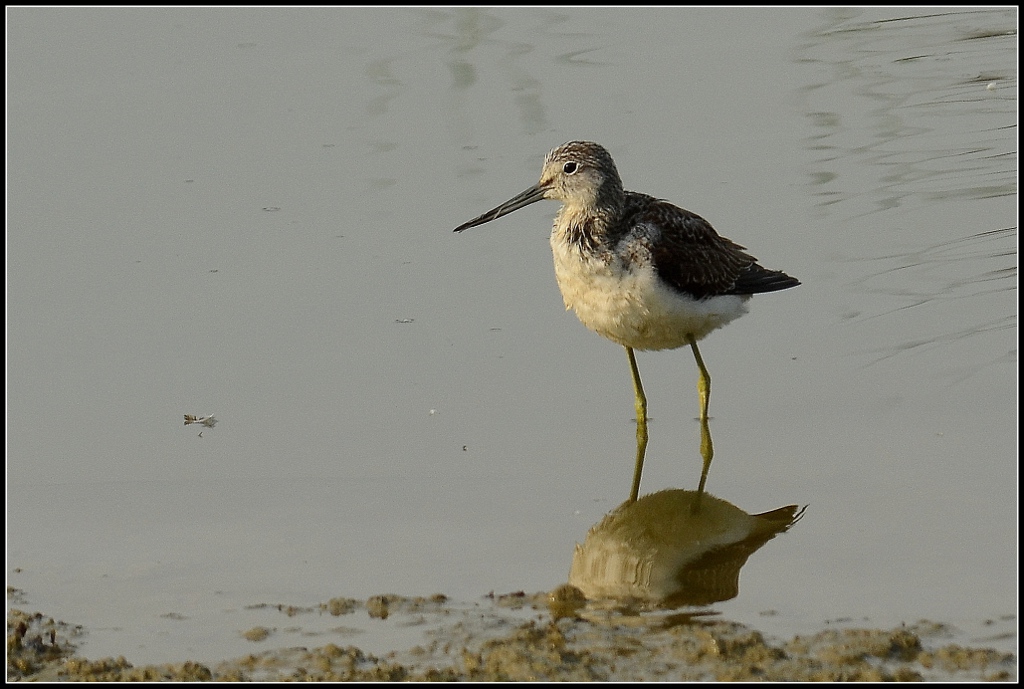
641,425
707,451
704,382
707,448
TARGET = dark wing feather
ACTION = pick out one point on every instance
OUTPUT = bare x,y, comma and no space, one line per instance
757,279
694,259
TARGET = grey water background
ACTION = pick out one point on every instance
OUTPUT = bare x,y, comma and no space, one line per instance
248,213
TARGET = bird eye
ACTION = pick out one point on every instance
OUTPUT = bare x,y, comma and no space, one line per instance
570,168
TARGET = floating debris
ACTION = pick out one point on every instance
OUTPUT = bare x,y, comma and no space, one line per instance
207,421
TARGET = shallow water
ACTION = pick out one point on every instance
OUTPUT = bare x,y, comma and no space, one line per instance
248,213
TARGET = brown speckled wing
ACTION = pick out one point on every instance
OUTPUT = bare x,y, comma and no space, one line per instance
694,259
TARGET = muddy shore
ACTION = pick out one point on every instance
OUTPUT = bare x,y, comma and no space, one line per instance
543,636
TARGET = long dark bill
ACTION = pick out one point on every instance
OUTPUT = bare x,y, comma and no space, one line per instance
531,195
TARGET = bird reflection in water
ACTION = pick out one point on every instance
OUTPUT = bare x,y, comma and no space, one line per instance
673,548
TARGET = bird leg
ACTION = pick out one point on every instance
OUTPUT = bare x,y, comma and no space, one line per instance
704,382
707,451
641,425
707,448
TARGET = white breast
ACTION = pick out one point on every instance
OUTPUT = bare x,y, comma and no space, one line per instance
630,305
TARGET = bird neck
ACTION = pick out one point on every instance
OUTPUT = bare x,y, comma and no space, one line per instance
588,229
